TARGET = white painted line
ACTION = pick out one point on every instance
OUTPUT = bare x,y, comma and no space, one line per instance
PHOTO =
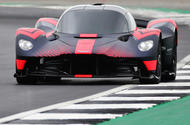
183,62
186,66
108,106
183,71
169,84
66,116
135,99
31,112
183,77
153,91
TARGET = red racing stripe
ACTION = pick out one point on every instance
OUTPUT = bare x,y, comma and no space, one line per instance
85,46
88,35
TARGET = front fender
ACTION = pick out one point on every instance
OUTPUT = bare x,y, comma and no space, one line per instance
35,36
168,27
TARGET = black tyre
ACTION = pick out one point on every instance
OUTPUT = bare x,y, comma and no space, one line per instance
156,78
26,81
170,75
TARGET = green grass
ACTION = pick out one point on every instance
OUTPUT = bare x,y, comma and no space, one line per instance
172,113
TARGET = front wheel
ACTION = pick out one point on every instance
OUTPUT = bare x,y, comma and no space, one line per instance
170,75
156,78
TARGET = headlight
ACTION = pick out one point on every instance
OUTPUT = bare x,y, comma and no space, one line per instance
25,45
145,46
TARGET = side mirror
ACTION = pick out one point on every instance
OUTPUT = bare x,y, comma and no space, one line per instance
51,36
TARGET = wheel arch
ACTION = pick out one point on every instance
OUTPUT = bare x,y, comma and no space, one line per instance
168,28
46,24
169,31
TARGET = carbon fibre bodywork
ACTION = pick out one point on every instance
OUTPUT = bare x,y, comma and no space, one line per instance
63,55
103,45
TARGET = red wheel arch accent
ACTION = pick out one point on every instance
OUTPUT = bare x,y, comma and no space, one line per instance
30,32
150,65
162,21
20,64
139,34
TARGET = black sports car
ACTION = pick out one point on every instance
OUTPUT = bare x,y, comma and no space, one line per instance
97,41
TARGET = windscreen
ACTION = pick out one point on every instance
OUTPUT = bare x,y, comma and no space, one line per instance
93,21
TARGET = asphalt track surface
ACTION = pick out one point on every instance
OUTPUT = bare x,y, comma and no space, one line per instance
16,98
